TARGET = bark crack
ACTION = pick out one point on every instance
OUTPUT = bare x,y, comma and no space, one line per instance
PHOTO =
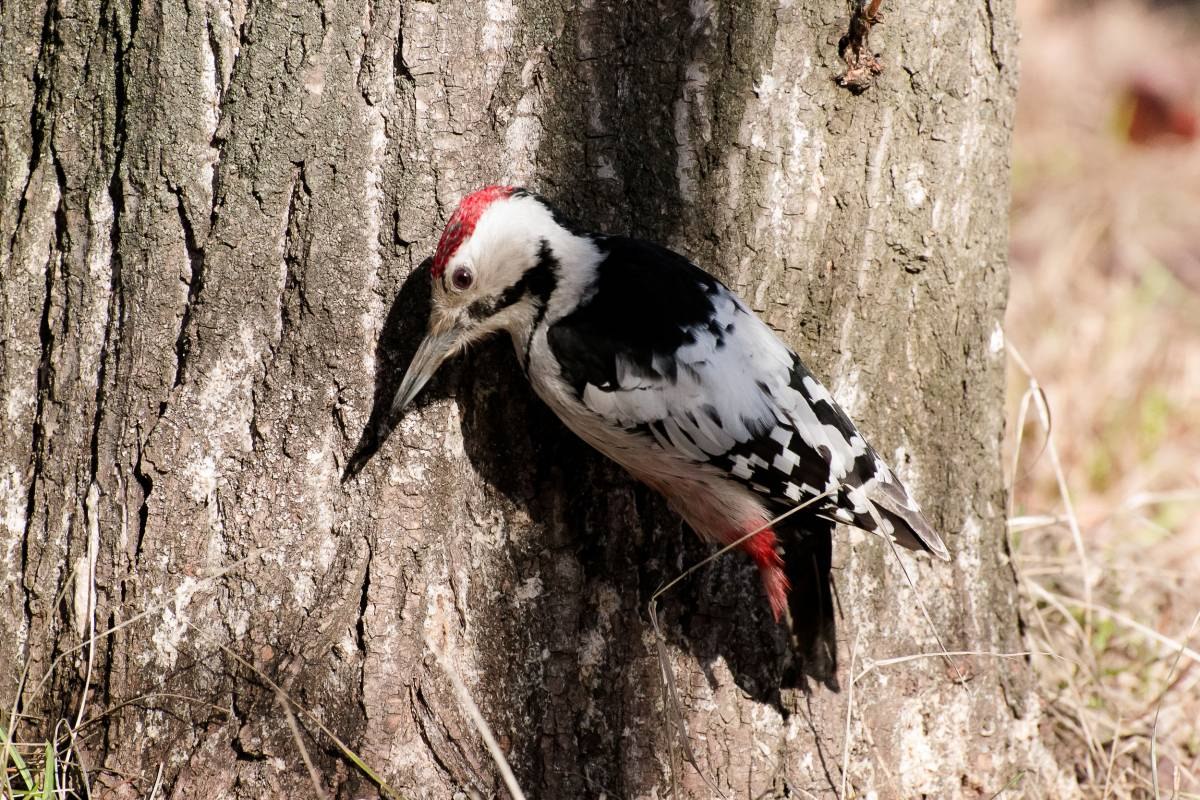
297,244
360,631
400,68
101,391
116,198
997,62
195,283
146,482
360,628
37,117
440,743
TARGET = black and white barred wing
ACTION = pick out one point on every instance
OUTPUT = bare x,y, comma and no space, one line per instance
867,490
710,382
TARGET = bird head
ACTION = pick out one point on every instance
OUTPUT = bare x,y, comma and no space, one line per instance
494,263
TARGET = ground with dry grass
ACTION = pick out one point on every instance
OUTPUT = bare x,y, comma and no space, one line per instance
1105,312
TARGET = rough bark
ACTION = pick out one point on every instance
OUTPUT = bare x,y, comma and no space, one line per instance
211,209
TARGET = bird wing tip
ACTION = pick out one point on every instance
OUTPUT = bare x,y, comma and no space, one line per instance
939,549
929,539
916,532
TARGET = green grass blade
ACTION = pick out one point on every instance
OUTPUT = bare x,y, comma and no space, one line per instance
48,776
11,754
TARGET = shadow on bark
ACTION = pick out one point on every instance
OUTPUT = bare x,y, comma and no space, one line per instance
601,539
402,333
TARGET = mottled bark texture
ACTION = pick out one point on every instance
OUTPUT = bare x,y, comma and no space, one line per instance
210,212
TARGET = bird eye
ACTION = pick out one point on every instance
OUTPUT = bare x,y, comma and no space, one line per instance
461,279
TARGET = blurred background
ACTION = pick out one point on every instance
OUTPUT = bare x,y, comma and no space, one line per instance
1104,326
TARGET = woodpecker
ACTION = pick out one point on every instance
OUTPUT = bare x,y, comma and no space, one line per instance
660,367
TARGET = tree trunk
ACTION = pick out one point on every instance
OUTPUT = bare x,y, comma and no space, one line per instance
210,212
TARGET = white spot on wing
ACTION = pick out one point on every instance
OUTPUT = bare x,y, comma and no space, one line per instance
858,499
741,468
786,462
817,392
818,435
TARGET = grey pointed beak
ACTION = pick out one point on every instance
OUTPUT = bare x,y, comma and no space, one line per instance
436,348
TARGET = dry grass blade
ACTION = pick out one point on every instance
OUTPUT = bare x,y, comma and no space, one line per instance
72,750
1143,499
157,783
849,711
1022,417
1112,760
89,559
1033,522
1043,410
1180,648
671,707
887,662
481,726
1158,707
1013,781
673,710
313,774
187,698
800,790
962,679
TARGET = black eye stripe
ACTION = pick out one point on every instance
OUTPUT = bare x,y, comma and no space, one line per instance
482,309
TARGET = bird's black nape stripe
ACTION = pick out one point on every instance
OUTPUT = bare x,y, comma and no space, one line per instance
542,280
